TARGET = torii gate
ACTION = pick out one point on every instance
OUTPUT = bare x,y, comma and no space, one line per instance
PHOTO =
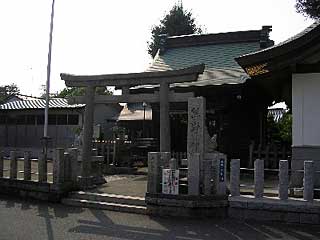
125,81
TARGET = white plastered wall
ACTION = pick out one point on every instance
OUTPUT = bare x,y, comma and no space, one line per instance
306,109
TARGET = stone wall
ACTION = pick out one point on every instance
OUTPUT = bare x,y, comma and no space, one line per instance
273,209
64,174
281,208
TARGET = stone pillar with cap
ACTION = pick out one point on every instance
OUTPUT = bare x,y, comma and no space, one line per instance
308,181
27,166
235,177
258,178
42,168
154,172
13,165
194,174
283,179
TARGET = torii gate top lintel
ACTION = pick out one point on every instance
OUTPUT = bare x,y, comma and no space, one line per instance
133,79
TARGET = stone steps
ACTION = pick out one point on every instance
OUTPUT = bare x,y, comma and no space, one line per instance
106,201
105,205
107,197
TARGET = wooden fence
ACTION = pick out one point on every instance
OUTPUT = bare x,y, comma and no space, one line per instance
271,154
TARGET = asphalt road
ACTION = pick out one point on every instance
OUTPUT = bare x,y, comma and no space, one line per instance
20,219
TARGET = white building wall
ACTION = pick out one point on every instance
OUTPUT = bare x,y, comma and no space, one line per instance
306,109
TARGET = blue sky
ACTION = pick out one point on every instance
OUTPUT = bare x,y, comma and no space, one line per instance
101,37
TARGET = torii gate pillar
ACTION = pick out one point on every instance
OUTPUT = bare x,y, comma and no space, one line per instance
125,81
165,137
86,178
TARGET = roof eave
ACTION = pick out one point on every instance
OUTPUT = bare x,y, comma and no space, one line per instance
281,49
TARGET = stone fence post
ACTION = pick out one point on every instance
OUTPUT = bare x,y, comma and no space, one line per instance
1,164
193,173
235,177
308,181
165,159
154,172
73,164
26,166
42,168
283,180
209,178
94,152
13,165
67,167
58,167
258,178
173,164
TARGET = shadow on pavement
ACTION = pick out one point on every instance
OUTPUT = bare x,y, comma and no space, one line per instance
115,225
45,210
145,227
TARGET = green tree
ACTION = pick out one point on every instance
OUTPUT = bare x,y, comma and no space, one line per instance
79,91
177,22
8,90
285,128
280,131
309,8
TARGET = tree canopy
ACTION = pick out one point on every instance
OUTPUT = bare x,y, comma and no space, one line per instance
8,90
309,8
280,131
177,22
79,91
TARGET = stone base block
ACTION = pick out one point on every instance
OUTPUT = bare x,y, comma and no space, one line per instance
32,190
86,182
273,209
186,206
98,180
301,154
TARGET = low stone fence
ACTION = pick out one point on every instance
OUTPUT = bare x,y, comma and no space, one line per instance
64,175
199,190
282,208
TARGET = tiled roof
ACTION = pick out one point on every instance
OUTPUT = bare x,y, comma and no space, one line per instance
289,40
39,104
261,36
19,97
297,41
216,51
221,68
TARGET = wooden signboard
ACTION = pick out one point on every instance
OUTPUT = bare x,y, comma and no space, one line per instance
170,181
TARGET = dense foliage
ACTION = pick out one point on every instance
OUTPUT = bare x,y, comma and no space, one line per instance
177,22
8,90
280,131
309,8
79,91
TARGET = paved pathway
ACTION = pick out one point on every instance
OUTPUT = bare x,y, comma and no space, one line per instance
130,185
25,220
136,185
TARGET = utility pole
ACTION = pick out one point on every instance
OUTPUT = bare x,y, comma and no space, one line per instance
46,113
